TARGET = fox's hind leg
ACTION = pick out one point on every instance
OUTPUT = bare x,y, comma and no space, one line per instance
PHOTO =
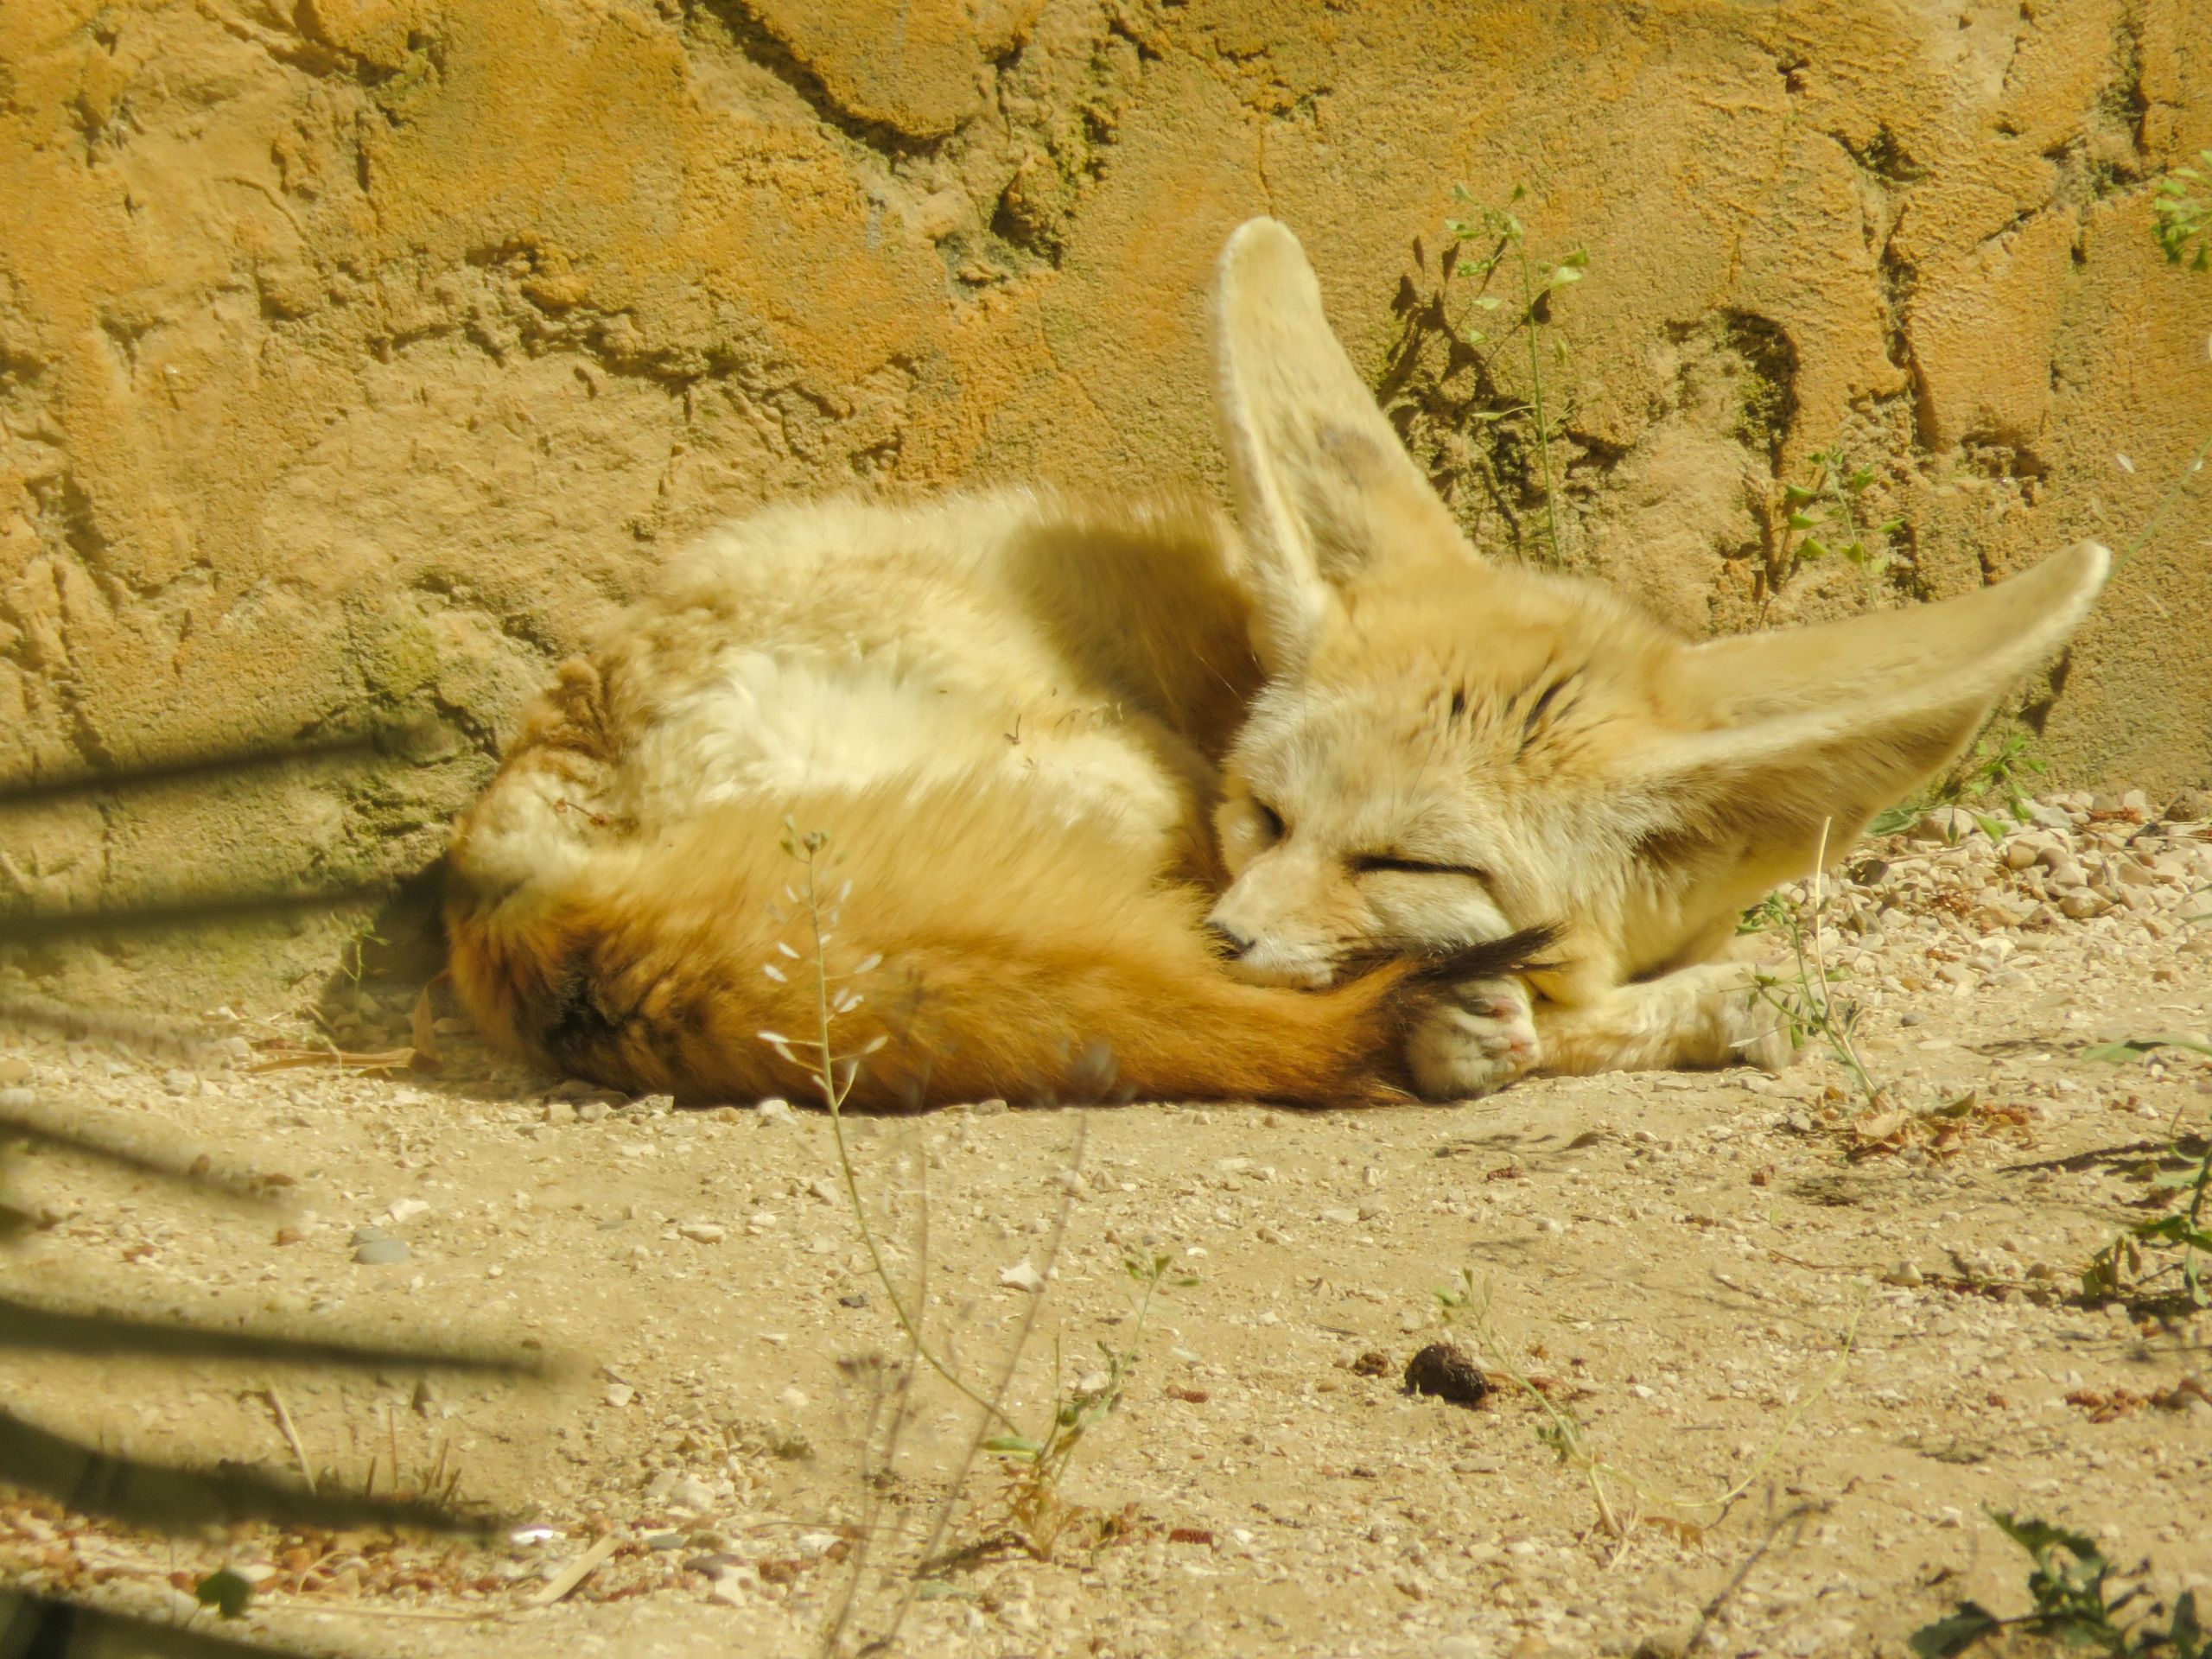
1710,1016
1479,1038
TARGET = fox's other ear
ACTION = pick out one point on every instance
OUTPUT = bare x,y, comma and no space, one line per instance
1324,488
1825,725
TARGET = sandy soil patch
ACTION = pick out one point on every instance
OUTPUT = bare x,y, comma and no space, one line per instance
1679,1261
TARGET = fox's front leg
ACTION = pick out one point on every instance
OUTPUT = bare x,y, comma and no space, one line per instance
1712,1014
1479,1038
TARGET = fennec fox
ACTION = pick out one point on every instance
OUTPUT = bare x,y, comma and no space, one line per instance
1471,820
1007,713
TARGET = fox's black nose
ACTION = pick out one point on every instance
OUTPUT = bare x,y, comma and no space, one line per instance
1228,938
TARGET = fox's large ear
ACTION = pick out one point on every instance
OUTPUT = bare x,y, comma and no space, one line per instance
1324,488
1824,726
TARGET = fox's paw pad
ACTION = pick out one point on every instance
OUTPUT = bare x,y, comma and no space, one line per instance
1474,1044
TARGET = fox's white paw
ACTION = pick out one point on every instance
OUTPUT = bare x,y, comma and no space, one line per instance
1474,1043
1758,1032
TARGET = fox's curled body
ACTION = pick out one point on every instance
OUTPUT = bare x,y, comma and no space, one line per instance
1065,757
1006,713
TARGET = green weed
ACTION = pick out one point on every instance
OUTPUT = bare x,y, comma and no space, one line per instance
1034,1466
833,1072
1804,996
1036,1514
353,954
2179,1242
1997,772
2071,1586
1805,999
1771,914
1825,516
2180,218
1499,329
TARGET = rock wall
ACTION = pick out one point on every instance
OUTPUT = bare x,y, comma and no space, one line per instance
358,357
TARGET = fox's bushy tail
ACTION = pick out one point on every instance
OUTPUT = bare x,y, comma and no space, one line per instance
997,947
991,954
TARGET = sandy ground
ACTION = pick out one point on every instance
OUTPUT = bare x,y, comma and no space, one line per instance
1866,1325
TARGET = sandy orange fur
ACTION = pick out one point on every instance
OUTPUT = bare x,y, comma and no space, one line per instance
1035,967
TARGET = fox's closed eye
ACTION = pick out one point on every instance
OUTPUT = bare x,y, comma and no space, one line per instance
1374,863
1271,823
